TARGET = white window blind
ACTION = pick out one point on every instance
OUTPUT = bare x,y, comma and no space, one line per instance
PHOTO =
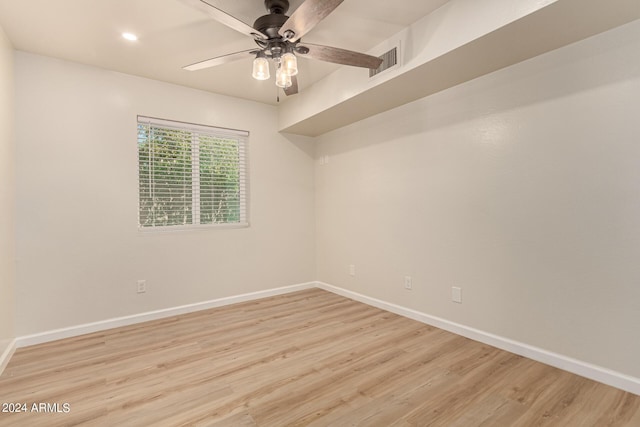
191,175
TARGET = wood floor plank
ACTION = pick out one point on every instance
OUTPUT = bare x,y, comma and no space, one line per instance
309,358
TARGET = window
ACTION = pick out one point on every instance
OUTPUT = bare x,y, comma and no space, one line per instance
191,175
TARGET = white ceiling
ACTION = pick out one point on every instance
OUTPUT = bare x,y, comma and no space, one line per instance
172,35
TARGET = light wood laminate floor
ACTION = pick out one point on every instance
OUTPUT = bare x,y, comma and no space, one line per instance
308,358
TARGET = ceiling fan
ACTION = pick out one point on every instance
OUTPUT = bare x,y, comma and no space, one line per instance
278,37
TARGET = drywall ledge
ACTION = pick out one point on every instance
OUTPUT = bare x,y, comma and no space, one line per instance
551,27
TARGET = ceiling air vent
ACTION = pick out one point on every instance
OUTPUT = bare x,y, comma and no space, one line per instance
389,59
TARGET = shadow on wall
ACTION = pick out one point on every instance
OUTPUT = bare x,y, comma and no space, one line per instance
306,144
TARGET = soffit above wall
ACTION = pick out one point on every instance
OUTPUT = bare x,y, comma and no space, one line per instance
550,27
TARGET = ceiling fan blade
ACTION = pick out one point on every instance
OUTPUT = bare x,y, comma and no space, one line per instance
220,60
339,56
226,19
293,89
307,16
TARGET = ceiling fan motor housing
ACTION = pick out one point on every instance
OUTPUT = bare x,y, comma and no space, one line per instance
270,24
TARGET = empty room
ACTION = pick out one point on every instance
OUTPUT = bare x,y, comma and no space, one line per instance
320,213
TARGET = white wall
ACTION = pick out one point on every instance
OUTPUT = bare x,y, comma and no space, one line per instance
521,187
7,195
79,251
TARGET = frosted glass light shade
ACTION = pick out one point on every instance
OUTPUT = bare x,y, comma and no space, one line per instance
289,64
283,80
261,68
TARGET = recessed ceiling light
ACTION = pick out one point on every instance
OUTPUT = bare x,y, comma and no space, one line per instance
130,36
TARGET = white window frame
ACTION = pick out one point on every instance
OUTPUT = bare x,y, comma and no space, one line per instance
243,162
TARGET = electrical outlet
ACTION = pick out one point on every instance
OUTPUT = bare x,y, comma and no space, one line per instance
352,270
456,294
408,283
142,286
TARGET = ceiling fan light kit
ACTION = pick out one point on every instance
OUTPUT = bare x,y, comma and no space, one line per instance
261,67
289,63
283,79
278,37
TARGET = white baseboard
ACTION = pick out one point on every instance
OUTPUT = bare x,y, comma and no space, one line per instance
578,367
587,370
102,325
6,354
